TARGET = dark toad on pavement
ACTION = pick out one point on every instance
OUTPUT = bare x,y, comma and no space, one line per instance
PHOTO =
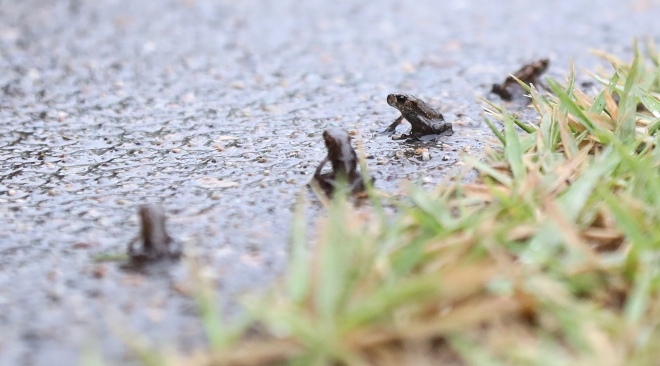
157,244
344,164
423,119
528,74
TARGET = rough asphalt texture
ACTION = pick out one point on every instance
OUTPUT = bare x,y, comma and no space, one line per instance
215,110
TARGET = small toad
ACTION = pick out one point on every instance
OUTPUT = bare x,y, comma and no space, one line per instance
423,119
156,242
528,74
344,163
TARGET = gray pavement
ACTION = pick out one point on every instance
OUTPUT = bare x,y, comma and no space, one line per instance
215,109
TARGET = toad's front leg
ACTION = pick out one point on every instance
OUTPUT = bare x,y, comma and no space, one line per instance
539,83
392,127
317,173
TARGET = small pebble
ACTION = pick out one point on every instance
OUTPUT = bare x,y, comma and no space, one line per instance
187,98
445,147
11,192
53,192
237,85
176,151
408,67
261,160
446,158
426,156
99,271
459,163
82,245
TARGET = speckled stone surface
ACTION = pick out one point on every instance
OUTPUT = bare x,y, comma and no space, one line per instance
215,109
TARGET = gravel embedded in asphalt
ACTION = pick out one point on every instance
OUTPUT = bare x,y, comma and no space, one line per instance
215,109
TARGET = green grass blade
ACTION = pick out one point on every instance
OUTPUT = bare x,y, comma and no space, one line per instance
433,208
472,352
626,120
525,127
580,191
523,84
333,263
571,79
654,127
638,302
600,102
625,221
210,318
649,101
572,107
414,290
489,171
298,272
512,150
494,128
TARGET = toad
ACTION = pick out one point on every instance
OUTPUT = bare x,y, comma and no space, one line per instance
156,242
344,163
528,74
423,119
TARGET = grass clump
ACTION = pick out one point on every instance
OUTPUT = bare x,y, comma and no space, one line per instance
549,258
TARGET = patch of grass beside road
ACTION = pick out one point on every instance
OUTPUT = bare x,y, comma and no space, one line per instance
550,258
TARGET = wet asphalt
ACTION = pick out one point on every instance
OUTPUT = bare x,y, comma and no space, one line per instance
214,110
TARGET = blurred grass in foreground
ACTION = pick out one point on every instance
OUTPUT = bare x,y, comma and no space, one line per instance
549,258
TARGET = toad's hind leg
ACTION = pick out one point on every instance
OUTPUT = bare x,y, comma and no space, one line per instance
445,129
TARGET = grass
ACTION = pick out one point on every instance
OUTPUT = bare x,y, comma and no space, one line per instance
550,258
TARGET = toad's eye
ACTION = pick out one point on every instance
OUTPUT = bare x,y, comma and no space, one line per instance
400,98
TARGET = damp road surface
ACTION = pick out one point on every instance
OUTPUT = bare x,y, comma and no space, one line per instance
215,110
